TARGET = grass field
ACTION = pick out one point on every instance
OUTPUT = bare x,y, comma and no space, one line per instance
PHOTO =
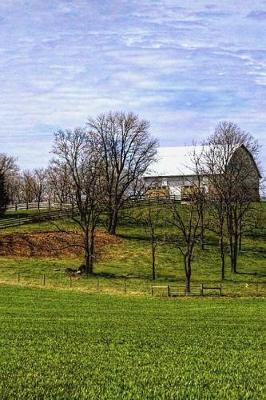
105,337
62,345
130,260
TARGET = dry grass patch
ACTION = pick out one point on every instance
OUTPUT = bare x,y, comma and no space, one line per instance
50,244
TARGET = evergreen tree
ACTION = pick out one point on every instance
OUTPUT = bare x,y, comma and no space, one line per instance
3,195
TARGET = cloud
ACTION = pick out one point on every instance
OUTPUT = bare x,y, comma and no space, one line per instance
258,15
183,68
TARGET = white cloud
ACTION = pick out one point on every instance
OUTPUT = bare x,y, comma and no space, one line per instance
184,68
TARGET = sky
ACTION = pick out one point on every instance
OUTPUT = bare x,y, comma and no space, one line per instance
183,65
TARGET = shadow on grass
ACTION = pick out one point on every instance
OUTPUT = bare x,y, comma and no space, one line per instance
110,275
258,274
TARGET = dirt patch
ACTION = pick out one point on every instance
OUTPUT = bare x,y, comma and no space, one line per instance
50,244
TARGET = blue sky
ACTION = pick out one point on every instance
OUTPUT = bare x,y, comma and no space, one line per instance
184,65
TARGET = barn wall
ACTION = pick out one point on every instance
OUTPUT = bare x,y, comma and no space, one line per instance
241,157
174,183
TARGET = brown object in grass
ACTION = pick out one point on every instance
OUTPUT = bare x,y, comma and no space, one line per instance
50,244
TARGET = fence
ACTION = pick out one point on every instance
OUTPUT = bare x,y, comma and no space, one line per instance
57,210
143,201
20,219
37,206
58,279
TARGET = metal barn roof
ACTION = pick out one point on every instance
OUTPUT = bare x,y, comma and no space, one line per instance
178,161
174,161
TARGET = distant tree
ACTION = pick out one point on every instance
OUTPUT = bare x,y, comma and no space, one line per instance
39,184
14,187
233,183
127,150
27,186
7,164
59,183
79,152
10,173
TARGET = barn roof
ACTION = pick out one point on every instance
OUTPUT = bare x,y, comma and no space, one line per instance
178,161
174,161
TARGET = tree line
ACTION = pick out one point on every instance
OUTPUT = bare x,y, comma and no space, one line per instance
222,201
97,168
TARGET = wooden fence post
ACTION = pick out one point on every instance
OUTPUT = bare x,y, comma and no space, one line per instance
18,277
44,279
125,286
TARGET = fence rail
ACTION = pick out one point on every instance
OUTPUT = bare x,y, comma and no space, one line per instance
43,216
37,206
143,201
57,210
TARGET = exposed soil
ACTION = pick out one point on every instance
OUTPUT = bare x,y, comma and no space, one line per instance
50,244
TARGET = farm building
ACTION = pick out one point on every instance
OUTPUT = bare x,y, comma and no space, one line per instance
174,172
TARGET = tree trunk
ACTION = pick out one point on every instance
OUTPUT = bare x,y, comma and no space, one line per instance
222,258
187,265
235,238
231,240
113,219
222,253
202,230
92,247
240,236
88,264
153,258
235,253
88,261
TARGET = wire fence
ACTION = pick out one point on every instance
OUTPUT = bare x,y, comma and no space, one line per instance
124,285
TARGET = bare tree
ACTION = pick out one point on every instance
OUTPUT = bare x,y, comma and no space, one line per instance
7,164
229,163
150,217
199,183
10,176
27,185
127,150
39,182
79,152
14,187
59,183
185,219
4,199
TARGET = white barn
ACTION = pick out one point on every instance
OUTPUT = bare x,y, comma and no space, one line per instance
174,170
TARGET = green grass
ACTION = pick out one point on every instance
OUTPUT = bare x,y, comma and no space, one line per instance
23,213
61,345
130,260
105,337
